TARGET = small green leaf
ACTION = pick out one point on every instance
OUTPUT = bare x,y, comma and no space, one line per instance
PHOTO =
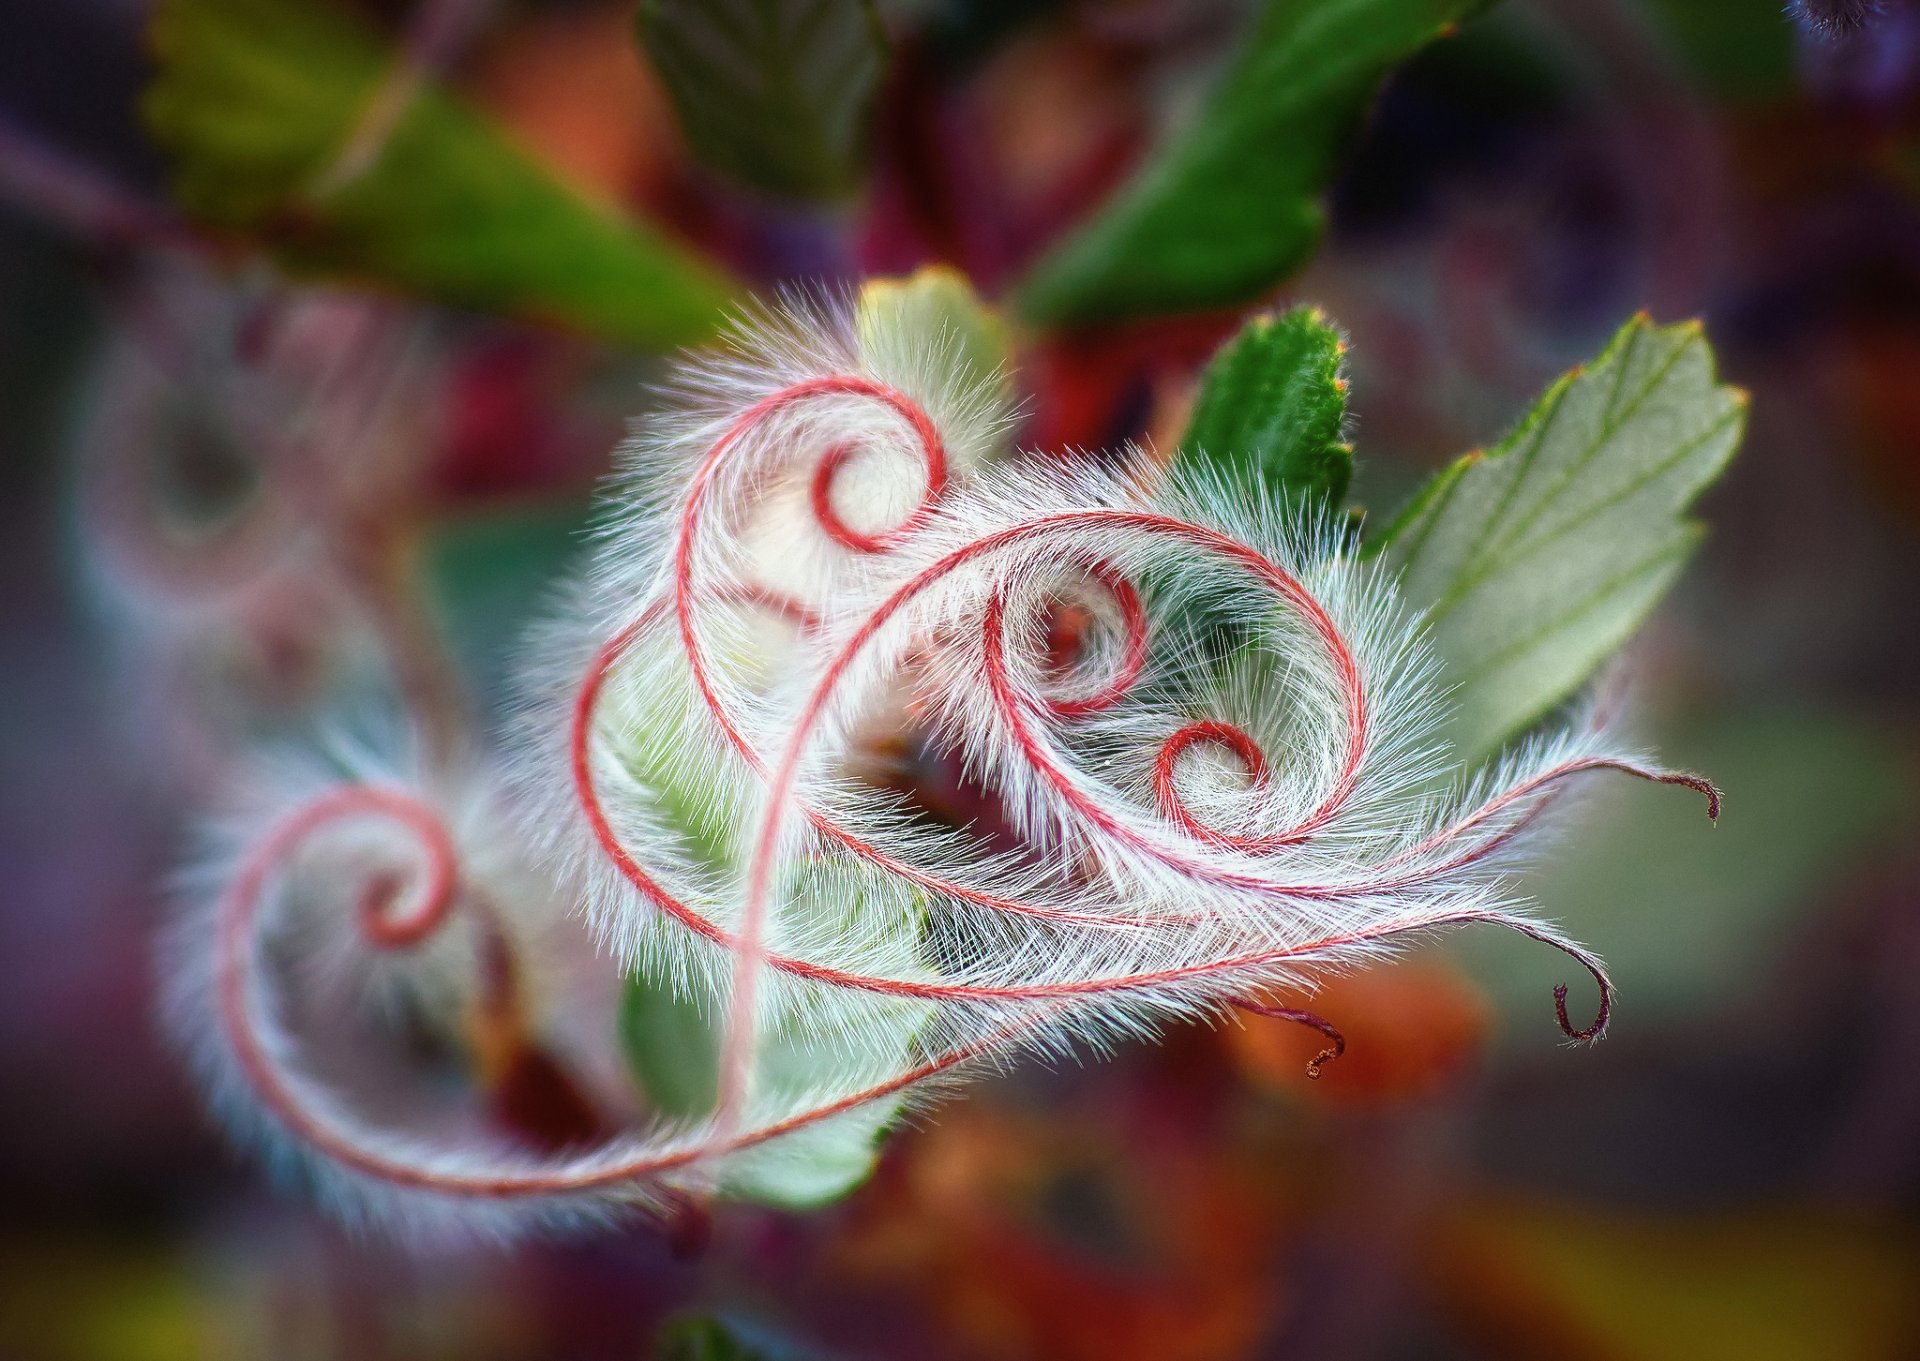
1230,205
672,1047
256,99
807,1052
773,93
1270,408
1537,560
937,304
811,1048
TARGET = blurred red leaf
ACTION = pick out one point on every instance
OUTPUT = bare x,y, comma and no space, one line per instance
1412,1027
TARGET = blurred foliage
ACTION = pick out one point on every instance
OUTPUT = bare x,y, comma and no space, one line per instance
259,101
1537,560
1271,406
1744,52
773,93
1691,923
1539,1279
1080,1230
79,1301
702,1337
1229,205
492,572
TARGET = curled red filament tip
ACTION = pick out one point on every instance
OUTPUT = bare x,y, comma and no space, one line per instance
1214,733
1700,784
1313,1021
1133,659
1599,1026
820,497
378,923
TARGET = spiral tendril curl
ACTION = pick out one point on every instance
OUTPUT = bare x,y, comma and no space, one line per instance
1213,728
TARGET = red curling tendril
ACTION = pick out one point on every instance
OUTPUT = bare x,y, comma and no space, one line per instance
1312,1021
1208,732
1016,706
237,960
1197,536
820,496
1133,654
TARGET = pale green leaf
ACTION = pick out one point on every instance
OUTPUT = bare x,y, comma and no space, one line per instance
807,1051
935,304
1537,560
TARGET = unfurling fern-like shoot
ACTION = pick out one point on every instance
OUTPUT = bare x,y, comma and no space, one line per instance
1211,731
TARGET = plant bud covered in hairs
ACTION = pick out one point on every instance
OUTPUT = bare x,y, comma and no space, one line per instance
1215,732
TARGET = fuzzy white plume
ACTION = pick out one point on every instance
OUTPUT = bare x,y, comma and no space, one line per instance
1212,727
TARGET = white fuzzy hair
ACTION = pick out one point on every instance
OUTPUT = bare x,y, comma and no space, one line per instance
690,751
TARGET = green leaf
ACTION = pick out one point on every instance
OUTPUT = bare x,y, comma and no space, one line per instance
806,1053
1271,406
256,99
773,93
1230,205
1537,560
808,1045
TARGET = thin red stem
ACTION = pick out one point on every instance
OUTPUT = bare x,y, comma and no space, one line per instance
1309,1019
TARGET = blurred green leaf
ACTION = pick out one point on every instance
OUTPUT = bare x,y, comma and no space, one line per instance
672,1047
1744,53
257,99
1230,205
1690,918
1537,560
773,93
492,573
702,1337
1270,408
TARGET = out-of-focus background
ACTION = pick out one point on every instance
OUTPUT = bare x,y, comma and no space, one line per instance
1734,1173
